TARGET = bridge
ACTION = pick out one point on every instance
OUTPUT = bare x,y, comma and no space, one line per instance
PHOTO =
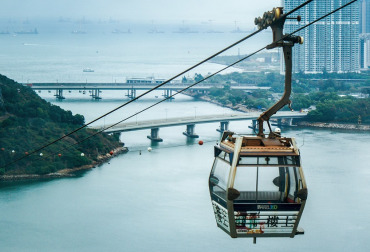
95,89
190,122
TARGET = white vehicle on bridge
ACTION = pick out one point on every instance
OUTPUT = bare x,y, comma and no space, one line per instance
148,80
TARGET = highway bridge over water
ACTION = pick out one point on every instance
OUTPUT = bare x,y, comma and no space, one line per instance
190,122
95,89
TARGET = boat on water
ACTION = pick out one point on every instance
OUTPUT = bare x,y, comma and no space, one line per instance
238,30
117,31
27,32
213,31
155,31
78,32
185,30
88,70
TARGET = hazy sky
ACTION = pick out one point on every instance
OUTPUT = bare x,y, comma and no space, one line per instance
197,10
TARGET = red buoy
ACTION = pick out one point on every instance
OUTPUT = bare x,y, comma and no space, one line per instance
26,153
59,155
200,142
111,152
2,149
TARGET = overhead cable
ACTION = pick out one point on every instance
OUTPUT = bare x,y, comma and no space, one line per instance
169,80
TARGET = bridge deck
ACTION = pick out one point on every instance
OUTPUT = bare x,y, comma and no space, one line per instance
170,122
125,86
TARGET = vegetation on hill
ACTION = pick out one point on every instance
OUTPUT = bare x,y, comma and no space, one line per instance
333,108
330,93
28,122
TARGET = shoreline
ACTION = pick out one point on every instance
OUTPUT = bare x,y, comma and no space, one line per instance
332,125
238,107
105,158
344,126
64,173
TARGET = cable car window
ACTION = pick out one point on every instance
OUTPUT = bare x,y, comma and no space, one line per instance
223,155
293,184
291,160
286,160
245,182
220,173
227,156
265,184
266,176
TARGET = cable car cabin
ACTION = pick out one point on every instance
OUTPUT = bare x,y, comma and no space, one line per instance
257,186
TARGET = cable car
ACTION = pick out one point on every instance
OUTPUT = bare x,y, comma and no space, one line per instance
257,186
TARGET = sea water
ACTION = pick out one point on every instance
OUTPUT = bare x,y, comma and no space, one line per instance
159,200
58,55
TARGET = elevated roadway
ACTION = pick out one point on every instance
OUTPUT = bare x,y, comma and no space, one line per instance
190,123
95,88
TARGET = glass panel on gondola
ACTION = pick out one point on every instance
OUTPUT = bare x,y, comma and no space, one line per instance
264,160
217,185
218,179
267,206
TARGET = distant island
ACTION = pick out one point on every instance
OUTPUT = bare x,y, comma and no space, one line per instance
28,122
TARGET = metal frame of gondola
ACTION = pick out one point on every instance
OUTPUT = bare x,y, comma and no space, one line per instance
233,145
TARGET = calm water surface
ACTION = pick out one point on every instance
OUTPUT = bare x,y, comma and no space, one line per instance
159,201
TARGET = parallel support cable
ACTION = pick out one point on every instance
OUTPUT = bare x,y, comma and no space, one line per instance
160,85
176,76
138,97
223,69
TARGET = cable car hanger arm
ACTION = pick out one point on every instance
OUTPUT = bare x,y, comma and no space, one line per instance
276,21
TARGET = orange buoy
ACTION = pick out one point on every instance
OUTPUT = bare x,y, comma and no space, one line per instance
26,153
111,152
200,142
2,149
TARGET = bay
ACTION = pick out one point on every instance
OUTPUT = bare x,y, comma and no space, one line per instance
159,200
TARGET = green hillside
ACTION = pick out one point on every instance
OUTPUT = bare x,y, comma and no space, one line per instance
28,122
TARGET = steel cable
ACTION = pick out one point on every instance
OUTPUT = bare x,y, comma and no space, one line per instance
178,75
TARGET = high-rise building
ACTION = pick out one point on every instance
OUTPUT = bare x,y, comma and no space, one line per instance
332,44
365,34
364,16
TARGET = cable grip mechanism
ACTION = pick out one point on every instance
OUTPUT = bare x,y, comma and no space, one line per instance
276,19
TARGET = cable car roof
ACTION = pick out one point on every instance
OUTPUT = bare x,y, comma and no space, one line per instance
259,146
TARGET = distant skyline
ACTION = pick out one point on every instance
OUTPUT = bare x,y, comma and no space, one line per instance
218,11
332,45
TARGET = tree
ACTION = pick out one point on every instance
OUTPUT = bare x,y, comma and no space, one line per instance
198,77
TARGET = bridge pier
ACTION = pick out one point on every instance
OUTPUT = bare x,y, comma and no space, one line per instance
223,126
96,94
154,136
131,93
59,94
167,93
290,121
190,131
254,125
